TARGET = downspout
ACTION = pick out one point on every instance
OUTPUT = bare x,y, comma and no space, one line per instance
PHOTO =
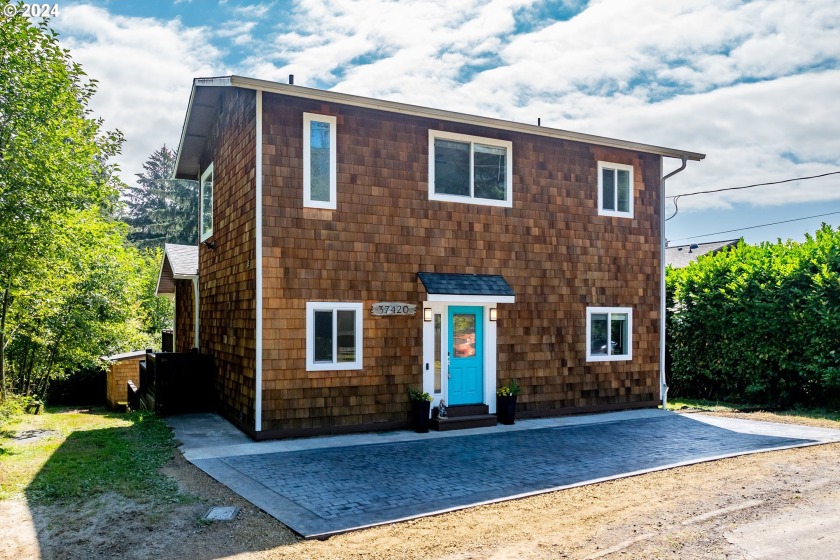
663,387
258,258
195,310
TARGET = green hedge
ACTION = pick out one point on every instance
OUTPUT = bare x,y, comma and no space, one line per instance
759,324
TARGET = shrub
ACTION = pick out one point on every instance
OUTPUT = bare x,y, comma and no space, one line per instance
759,324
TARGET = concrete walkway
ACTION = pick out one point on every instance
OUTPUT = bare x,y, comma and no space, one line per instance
326,485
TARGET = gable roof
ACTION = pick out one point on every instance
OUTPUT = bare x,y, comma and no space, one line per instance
680,256
206,94
180,262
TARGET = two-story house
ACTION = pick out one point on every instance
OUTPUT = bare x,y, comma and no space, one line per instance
352,248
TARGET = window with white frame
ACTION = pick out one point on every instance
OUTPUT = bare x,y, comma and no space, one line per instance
319,161
333,336
615,189
472,169
207,203
608,334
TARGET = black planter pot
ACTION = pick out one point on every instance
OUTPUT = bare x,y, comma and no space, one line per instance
506,409
420,416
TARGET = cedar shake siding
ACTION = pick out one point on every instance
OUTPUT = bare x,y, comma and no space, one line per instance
227,279
560,256
552,247
184,316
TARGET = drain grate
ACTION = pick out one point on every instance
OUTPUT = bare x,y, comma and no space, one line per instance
220,513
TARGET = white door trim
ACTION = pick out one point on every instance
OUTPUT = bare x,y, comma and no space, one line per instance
428,365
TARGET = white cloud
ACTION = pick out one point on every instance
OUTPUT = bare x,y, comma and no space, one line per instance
750,84
754,85
257,11
145,68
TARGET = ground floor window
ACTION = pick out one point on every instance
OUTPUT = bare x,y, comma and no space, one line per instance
608,333
333,336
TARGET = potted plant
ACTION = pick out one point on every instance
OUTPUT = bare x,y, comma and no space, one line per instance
420,406
506,402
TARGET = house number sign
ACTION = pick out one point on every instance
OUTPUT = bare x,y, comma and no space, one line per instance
390,308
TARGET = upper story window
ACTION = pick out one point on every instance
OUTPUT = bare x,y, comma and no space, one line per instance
207,203
608,334
615,189
466,168
319,155
333,336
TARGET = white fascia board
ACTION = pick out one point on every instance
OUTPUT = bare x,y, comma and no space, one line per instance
451,116
197,82
470,299
160,273
184,131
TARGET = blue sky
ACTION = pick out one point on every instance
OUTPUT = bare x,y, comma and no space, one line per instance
754,85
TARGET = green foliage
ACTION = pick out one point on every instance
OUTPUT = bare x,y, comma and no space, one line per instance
15,405
511,389
71,289
161,209
758,324
156,313
418,395
54,155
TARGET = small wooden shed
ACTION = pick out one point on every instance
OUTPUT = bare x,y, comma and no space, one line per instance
122,368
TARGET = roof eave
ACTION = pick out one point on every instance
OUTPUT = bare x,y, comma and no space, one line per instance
220,81
452,116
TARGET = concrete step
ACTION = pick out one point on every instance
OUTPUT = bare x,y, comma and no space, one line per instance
463,422
457,410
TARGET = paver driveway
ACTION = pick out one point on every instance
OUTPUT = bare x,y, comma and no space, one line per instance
322,486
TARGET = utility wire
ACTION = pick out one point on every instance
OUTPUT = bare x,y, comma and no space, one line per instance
676,197
754,227
756,185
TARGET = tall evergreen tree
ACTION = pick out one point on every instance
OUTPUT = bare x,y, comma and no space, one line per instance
161,209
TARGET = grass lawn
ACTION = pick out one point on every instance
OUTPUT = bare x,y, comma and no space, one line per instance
72,454
810,416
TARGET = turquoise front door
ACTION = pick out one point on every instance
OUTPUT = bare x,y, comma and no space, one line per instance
466,355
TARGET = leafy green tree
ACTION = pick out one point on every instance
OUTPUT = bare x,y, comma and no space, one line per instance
161,209
155,313
83,304
53,154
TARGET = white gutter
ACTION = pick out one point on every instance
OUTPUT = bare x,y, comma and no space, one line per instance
663,387
258,258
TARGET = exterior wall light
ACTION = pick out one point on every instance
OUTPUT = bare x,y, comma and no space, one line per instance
427,314
493,314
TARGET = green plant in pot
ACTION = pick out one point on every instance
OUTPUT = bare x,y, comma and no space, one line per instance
506,402
421,404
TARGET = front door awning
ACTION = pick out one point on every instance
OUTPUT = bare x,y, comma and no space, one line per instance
478,288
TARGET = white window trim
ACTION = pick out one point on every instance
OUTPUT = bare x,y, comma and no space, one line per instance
311,308
206,235
507,203
307,191
614,213
609,311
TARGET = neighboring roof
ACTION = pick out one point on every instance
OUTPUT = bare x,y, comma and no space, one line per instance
125,356
465,284
206,94
180,262
681,256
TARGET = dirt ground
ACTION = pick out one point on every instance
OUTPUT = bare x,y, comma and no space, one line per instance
685,513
